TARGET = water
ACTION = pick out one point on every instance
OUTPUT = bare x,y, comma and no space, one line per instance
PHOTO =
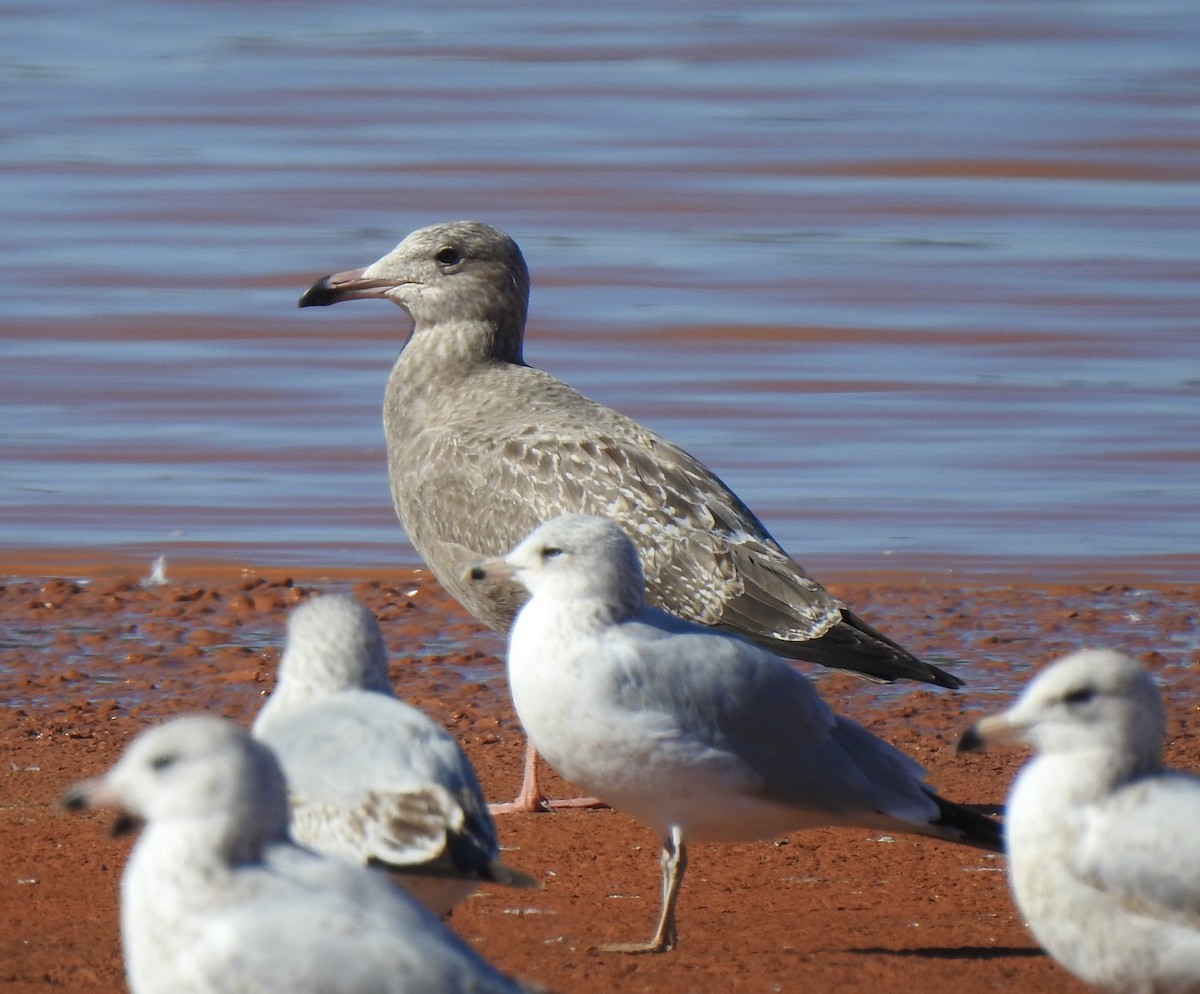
921,281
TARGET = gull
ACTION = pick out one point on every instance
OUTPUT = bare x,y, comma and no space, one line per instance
216,898
1103,861
482,448
699,735
371,778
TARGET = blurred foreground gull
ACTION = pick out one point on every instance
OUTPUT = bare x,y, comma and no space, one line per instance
703,737
370,778
483,448
216,898
1103,859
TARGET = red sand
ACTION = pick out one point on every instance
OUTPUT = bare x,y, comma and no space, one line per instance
83,667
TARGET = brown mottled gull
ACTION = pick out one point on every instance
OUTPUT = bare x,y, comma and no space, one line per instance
482,448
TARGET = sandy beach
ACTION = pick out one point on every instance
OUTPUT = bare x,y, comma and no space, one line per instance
86,663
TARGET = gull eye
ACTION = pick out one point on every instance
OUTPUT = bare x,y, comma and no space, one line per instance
448,255
164,761
1080,695
551,552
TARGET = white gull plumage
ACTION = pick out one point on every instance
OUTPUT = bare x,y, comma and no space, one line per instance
216,898
371,778
701,736
1103,860
482,448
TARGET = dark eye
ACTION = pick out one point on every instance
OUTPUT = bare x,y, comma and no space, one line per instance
1080,695
551,551
163,761
448,256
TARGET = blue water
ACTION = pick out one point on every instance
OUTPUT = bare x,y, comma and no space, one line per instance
921,281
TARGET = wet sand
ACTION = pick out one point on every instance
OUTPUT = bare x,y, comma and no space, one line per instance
85,665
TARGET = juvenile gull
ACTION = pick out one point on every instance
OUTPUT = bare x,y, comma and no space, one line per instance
702,736
216,899
483,448
371,778
1103,861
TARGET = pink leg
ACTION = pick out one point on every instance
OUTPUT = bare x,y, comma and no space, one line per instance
530,799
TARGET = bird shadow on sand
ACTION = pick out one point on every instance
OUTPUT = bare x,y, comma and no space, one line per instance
961,952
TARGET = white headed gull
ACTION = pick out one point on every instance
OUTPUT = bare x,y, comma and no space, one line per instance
217,899
371,778
1103,857
701,736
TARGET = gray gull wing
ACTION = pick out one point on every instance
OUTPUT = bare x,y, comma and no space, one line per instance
371,778
738,699
1140,843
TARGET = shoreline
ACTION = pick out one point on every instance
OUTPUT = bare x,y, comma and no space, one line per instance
941,570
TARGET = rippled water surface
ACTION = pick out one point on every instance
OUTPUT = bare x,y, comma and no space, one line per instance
920,281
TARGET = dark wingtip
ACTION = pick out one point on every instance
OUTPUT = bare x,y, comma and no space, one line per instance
940,678
910,668
854,646
972,827
320,294
969,741
498,873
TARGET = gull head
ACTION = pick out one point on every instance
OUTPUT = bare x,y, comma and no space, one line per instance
194,768
1097,700
574,557
461,273
334,643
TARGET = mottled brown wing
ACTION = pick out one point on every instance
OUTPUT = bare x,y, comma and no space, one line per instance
468,491
705,555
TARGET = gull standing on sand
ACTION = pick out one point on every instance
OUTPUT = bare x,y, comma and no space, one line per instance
217,899
483,448
701,736
371,778
1103,858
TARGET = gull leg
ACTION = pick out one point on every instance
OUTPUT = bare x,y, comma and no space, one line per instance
530,799
673,860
